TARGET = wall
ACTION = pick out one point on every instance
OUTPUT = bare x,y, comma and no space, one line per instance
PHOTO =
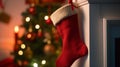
14,8
96,47
104,1
93,15
97,13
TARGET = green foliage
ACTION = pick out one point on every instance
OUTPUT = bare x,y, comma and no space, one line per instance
37,45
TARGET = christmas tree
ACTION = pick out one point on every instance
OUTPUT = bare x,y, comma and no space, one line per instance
40,45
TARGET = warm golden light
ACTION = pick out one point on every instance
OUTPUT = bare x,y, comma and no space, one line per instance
16,29
37,26
27,19
46,17
23,46
29,36
43,62
35,65
20,52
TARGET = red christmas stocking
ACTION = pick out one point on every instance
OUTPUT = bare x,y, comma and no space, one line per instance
66,21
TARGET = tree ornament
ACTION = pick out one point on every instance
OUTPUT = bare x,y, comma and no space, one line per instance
55,34
28,53
30,28
39,34
49,49
19,62
32,10
58,51
46,40
25,63
48,21
47,35
31,36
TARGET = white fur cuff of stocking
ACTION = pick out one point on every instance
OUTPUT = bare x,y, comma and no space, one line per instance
62,13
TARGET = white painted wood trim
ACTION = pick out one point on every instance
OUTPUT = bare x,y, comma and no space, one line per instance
104,42
105,38
80,3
